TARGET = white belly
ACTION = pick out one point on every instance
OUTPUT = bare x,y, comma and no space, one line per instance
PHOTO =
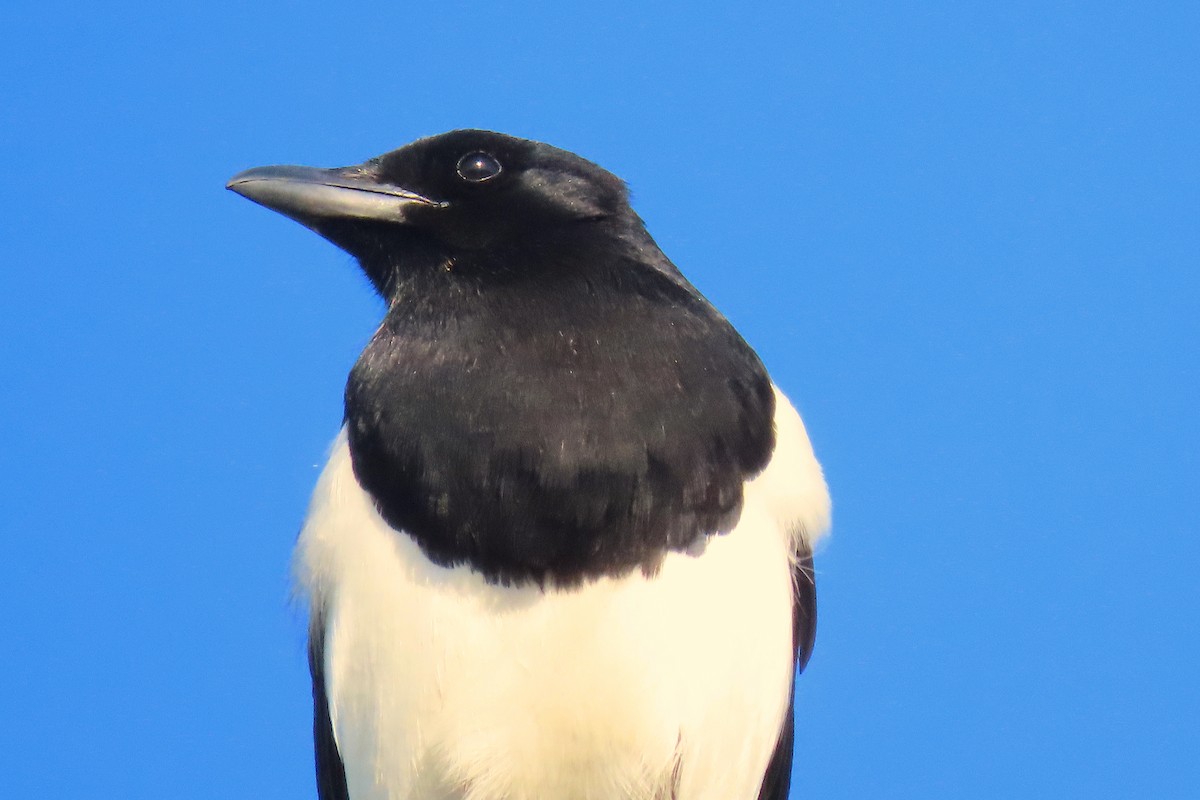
443,686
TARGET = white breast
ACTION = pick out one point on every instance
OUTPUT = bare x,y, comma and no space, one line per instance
443,686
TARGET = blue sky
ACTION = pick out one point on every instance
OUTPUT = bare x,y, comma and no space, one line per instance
964,239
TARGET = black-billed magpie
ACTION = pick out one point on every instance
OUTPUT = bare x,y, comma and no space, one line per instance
562,547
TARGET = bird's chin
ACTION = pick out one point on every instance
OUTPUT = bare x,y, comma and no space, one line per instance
385,252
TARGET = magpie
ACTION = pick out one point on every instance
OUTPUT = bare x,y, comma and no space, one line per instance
562,545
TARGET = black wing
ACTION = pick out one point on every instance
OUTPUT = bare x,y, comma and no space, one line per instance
778,777
331,773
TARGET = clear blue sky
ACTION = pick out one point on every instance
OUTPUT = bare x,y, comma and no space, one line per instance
966,240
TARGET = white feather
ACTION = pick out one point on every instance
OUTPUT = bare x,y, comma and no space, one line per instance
443,687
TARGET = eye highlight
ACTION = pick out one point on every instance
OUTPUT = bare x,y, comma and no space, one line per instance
478,167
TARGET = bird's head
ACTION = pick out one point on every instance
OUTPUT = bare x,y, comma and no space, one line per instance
467,198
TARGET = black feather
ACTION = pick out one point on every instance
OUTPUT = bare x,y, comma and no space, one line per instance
778,777
331,773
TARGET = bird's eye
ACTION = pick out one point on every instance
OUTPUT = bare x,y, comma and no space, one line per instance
478,167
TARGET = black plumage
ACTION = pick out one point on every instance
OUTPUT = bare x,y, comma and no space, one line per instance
563,422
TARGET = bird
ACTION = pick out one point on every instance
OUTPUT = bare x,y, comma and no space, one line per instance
562,546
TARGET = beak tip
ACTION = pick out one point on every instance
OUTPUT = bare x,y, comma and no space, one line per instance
235,183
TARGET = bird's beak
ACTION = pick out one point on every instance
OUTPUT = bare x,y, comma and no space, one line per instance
308,194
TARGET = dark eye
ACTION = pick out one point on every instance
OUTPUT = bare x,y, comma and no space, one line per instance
478,167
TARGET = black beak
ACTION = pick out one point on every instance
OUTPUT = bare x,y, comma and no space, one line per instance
309,195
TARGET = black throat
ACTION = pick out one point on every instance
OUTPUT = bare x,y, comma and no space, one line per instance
555,412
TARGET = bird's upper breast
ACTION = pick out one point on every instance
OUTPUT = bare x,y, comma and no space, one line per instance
563,444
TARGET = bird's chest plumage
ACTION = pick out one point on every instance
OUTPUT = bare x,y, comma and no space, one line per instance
630,687
557,433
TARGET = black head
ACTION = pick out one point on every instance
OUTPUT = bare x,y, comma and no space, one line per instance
463,198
